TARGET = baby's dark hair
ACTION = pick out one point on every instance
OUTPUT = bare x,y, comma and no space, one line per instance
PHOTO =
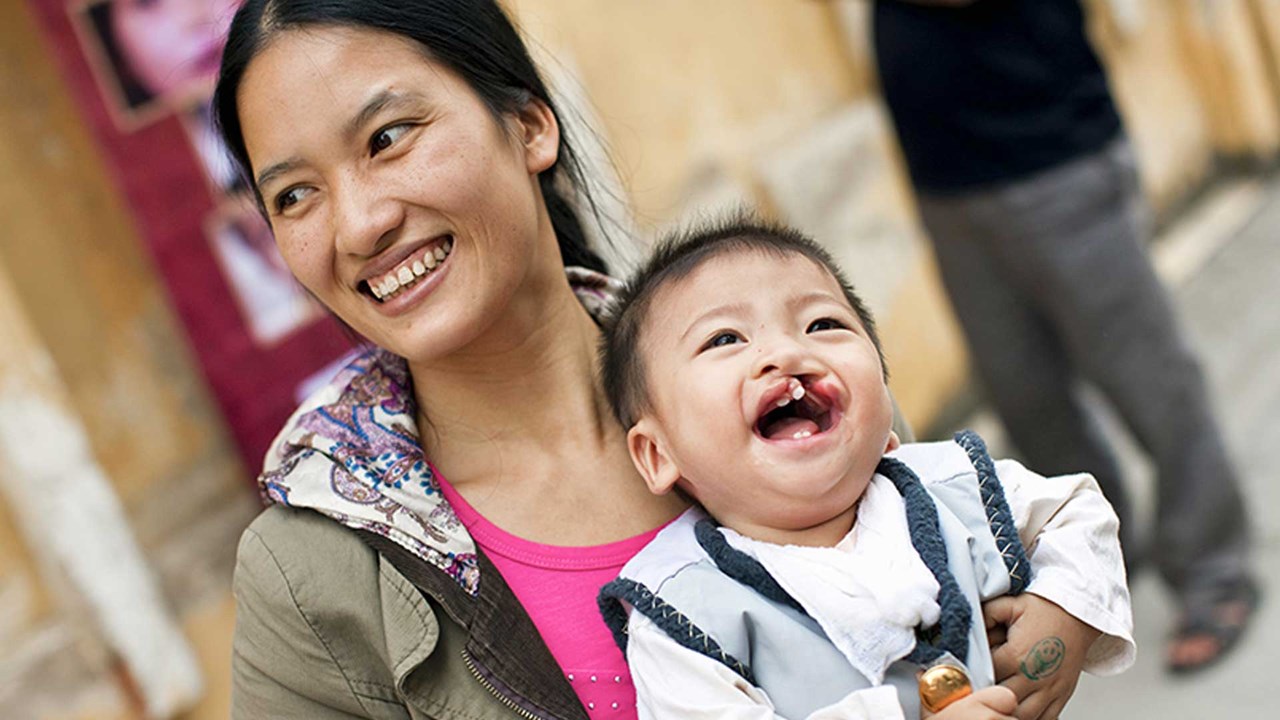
675,258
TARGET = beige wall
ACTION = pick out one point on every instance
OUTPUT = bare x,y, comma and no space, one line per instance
696,98
101,337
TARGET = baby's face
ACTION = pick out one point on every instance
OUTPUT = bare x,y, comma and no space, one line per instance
768,399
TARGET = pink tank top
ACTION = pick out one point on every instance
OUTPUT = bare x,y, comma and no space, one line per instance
558,586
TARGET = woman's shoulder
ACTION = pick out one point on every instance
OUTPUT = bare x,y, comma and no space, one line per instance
298,562
304,540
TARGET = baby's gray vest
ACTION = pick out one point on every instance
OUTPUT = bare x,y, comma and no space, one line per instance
723,605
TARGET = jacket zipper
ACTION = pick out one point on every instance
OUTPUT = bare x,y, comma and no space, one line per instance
484,682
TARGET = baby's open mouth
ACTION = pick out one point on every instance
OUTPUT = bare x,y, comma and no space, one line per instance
795,413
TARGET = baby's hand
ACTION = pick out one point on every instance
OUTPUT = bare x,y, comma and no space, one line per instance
993,703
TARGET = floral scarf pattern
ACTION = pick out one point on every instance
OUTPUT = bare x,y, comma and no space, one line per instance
352,453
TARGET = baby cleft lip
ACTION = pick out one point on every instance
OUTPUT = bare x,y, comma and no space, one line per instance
797,408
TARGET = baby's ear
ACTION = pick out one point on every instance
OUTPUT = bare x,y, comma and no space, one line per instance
650,457
894,443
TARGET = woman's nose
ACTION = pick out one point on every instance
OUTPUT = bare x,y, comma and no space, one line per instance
365,218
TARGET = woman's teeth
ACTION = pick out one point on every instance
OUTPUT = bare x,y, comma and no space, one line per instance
414,268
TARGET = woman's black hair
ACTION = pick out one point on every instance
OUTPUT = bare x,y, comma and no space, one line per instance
473,38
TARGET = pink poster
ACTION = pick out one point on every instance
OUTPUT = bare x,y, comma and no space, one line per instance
142,73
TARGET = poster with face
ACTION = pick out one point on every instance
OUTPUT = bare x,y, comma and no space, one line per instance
270,300
142,73
153,56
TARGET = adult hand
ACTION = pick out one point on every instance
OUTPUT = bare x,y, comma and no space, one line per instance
993,703
1038,650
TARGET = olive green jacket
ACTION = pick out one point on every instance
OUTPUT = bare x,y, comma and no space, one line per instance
329,627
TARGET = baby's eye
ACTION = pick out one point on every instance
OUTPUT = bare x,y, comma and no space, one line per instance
721,339
386,137
290,197
822,324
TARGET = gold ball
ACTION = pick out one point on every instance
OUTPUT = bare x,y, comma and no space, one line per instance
942,685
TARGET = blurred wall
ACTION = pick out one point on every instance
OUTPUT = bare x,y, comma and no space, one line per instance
700,104
89,339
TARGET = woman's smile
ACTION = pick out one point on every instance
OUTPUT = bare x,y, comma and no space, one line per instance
409,271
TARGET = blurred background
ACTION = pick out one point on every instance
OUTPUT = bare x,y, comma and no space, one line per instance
151,341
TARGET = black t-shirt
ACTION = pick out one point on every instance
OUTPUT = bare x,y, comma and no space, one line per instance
990,92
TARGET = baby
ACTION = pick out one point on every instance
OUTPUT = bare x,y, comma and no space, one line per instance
826,565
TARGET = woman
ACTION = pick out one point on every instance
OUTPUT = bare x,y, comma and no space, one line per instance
410,162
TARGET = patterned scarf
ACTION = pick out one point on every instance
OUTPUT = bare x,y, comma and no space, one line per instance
352,452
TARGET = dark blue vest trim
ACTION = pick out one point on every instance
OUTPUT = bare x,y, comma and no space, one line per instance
740,566
951,634
926,536
677,626
999,516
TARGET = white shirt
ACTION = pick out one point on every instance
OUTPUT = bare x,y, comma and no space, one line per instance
1071,536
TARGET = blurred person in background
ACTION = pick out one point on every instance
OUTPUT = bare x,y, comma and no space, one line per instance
1029,190
413,168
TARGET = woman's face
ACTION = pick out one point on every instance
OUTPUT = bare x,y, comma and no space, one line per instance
172,46
395,196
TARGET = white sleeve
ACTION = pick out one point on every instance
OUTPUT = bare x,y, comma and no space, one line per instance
673,681
1072,538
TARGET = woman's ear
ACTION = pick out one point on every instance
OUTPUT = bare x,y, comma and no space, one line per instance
650,457
539,133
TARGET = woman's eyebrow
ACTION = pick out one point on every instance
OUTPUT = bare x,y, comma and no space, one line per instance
272,172
376,104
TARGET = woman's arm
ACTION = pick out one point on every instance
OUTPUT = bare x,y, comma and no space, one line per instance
674,682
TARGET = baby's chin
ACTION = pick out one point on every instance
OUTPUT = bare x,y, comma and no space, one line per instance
809,528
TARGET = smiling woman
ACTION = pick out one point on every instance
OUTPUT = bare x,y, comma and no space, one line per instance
411,164
407,156
395,159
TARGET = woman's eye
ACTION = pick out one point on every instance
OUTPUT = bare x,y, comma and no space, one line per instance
386,137
822,324
721,339
289,198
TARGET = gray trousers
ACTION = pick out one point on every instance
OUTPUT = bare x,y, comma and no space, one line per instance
1051,284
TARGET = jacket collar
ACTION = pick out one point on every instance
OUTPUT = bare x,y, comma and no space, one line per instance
351,452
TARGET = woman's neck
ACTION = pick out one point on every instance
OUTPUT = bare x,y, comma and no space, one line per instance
518,425
528,368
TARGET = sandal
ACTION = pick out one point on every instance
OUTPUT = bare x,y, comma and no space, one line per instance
1222,621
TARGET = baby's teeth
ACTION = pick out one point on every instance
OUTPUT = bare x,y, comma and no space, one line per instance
801,434
405,276
783,402
798,392
418,268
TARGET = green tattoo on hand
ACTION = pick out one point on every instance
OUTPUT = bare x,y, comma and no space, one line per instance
1044,659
